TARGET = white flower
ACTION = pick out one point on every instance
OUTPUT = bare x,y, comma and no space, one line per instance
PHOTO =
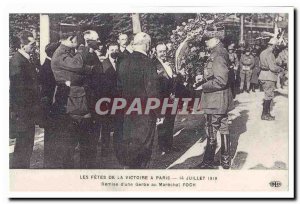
209,21
184,23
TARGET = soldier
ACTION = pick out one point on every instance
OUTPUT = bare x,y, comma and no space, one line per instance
73,116
216,101
234,65
268,77
233,58
255,71
24,100
247,63
282,61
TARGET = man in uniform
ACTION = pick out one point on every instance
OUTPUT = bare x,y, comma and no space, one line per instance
268,77
71,106
282,61
216,101
24,100
247,64
234,65
255,72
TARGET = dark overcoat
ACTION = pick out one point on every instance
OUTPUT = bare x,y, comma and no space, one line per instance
24,94
139,79
167,85
109,84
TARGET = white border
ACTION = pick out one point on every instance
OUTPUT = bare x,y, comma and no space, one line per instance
127,6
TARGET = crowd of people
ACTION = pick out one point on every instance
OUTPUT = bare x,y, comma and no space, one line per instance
60,96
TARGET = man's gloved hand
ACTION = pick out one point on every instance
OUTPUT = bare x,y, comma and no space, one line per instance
160,121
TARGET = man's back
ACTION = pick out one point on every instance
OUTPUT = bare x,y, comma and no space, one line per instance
138,77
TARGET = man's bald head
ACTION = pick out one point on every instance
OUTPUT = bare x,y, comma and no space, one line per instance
91,38
90,35
142,41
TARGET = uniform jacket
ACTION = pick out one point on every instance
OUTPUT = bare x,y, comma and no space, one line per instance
247,61
282,59
24,93
217,96
233,59
269,69
67,66
256,71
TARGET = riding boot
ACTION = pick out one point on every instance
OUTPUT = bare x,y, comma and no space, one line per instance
253,87
265,115
225,151
211,146
269,109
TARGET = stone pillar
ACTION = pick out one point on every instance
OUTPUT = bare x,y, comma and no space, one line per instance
242,41
44,35
136,24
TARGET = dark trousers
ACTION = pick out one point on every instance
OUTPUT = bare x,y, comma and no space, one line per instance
232,81
111,123
219,122
60,144
23,149
86,133
107,127
165,132
50,142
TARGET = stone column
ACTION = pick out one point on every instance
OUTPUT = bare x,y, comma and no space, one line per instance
44,35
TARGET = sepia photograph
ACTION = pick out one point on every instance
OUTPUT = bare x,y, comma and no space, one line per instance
151,101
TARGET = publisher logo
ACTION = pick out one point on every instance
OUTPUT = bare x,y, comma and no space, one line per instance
275,184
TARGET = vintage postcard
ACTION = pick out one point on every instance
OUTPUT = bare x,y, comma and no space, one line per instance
166,102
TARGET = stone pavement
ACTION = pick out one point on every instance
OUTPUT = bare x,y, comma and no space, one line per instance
256,144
